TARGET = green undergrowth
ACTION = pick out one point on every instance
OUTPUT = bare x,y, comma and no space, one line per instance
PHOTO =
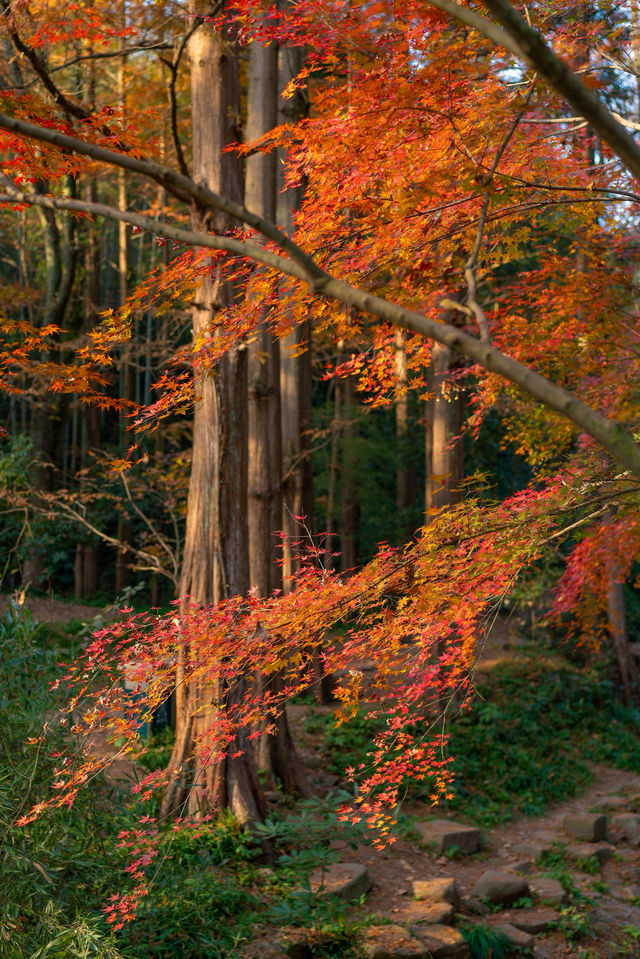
211,890
526,741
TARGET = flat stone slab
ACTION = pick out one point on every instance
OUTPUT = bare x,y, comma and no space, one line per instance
611,803
518,938
417,913
601,851
589,827
435,890
540,842
347,880
550,890
392,942
443,942
442,835
525,867
533,921
500,888
629,823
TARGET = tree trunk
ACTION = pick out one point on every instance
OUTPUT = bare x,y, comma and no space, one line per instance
276,753
349,504
126,389
444,448
295,355
215,563
265,445
402,420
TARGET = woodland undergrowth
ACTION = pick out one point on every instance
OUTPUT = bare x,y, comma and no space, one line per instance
526,741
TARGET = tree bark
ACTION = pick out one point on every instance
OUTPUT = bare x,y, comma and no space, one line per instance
276,754
444,449
215,562
265,437
295,354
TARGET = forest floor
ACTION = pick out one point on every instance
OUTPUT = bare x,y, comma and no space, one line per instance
600,920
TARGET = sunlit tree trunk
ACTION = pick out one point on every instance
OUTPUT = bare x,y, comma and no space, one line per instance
444,420
216,562
126,359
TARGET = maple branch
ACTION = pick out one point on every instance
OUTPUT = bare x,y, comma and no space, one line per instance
528,45
227,244
69,106
472,262
178,184
612,435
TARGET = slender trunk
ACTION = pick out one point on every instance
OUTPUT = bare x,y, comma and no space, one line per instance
127,390
276,754
295,355
444,449
349,505
334,469
402,420
265,443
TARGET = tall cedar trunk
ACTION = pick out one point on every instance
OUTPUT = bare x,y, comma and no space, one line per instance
126,384
265,446
444,462
295,374
402,419
49,414
277,756
215,563
349,504
295,355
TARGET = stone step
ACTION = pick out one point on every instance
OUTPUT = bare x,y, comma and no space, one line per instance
499,887
417,913
588,827
550,890
392,942
443,942
435,890
442,835
517,938
347,880
629,824
533,921
601,851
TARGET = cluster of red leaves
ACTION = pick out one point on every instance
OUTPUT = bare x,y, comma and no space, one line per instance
408,615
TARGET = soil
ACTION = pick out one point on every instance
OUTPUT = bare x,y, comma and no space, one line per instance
49,610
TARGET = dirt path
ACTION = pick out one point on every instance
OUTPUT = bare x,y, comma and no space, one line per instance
49,610
394,870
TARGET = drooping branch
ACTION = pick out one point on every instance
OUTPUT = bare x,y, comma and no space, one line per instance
610,434
227,244
527,44
177,184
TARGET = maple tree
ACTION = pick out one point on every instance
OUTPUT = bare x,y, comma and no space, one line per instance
461,217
